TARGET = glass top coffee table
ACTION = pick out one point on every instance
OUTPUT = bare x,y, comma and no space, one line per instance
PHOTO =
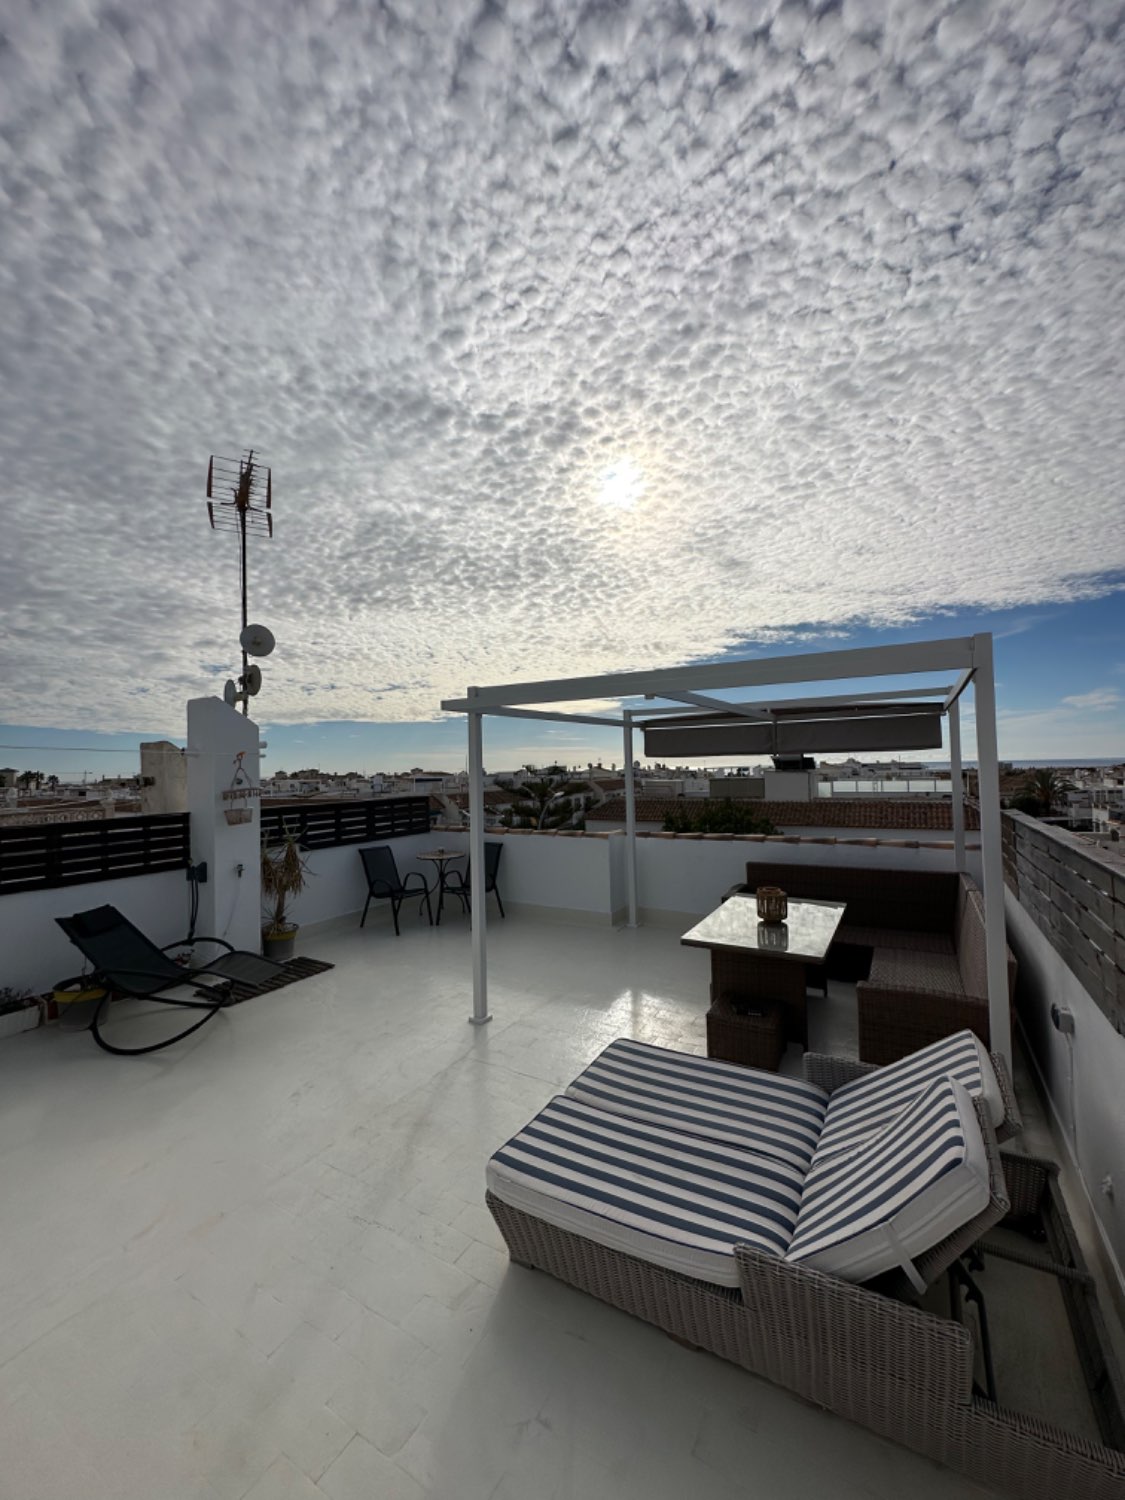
755,962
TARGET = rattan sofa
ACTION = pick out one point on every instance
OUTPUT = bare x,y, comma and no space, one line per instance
913,940
869,1352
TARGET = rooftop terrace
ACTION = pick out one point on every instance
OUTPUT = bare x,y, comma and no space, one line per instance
260,1265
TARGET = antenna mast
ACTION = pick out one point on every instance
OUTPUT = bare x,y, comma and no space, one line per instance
249,512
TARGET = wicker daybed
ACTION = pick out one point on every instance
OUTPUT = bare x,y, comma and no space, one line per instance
604,1162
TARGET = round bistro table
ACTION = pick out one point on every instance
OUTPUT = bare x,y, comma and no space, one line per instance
443,858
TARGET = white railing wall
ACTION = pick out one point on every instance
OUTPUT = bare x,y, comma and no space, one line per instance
685,877
569,878
1082,1073
553,876
35,954
337,886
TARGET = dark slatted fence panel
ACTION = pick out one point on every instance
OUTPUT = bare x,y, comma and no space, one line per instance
42,856
328,825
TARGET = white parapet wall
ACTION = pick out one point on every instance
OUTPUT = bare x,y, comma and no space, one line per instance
337,885
581,877
1065,904
685,875
1083,1075
36,953
558,876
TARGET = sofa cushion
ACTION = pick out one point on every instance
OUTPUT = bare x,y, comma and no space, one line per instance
971,961
891,937
906,969
922,1177
860,1109
671,1199
717,1101
908,900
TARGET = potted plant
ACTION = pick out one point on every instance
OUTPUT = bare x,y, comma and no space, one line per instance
284,876
19,1011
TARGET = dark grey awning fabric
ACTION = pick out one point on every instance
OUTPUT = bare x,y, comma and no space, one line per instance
867,727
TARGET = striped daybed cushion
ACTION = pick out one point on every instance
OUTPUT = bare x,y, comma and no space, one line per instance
761,1112
922,1177
671,1199
858,1110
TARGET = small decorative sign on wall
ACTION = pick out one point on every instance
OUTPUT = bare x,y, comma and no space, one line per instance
238,797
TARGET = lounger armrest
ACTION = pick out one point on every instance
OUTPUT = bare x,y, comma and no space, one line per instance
847,1346
190,942
167,981
1012,1122
931,1263
830,1073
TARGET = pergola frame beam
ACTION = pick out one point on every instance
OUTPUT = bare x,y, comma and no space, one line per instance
462,705
839,700
720,705
862,661
958,688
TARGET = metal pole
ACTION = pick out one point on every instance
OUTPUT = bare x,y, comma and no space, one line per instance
245,620
476,872
992,858
958,786
630,823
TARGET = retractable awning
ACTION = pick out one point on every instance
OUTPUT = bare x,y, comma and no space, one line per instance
796,731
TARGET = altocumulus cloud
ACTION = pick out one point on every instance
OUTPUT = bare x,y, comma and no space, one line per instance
578,336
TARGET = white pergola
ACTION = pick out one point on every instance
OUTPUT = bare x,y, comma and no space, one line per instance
967,659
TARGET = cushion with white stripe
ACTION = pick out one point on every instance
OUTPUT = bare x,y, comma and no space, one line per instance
922,1177
761,1112
669,1198
858,1110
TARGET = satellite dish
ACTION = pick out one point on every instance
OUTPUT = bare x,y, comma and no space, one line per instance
253,681
257,640
230,693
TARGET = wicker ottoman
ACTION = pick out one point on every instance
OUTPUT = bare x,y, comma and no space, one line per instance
755,1040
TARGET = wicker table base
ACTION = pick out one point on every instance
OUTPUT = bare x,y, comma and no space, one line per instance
754,1039
755,980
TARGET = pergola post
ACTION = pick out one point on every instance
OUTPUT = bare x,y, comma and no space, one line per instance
992,858
958,786
630,822
476,870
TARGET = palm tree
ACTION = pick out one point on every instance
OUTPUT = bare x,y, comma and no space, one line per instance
552,800
1046,787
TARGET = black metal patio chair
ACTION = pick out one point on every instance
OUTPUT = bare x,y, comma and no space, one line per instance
385,884
128,965
458,882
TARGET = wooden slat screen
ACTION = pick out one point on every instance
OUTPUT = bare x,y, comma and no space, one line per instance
329,824
43,856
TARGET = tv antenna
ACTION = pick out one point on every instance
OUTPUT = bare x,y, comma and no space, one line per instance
248,512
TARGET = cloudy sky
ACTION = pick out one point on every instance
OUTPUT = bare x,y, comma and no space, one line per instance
579,338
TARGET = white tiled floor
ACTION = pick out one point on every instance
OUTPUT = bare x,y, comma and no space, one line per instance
259,1264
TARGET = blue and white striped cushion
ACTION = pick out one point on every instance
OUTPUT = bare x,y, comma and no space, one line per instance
858,1110
924,1175
761,1112
672,1199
